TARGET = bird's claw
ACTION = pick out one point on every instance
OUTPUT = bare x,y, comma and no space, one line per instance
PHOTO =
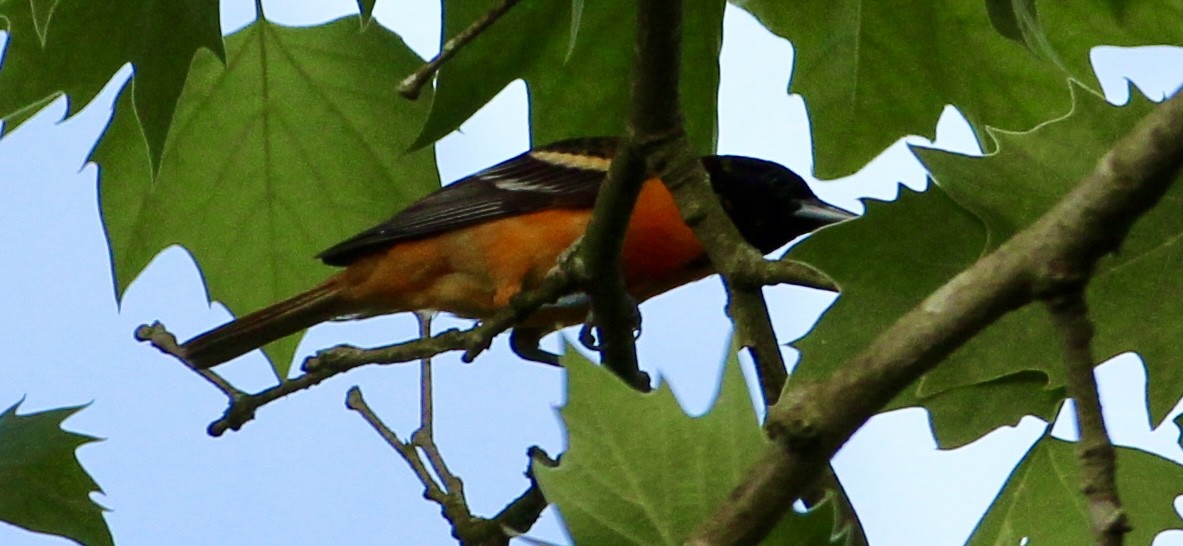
587,336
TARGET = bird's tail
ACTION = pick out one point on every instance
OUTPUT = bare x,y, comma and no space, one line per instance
257,329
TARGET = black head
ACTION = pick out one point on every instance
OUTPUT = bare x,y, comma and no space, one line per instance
769,204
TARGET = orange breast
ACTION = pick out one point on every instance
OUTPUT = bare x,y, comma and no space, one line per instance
658,246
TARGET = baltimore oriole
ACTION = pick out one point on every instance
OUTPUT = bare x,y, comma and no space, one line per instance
469,247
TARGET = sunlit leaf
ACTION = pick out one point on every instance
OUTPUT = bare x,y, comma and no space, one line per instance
296,144
638,470
1042,502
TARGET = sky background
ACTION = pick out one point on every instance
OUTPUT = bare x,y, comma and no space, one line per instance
307,471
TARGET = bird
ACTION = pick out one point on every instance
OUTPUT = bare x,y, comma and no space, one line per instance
469,247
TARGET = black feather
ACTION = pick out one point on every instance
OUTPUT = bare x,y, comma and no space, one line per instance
520,185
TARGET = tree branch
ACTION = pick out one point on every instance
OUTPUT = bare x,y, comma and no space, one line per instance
813,420
655,120
448,492
657,126
598,264
1098,459
342,358
782,271
158,336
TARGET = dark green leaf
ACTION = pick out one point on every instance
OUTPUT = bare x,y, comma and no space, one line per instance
882,276
577,88
1134,305
980,203
1074,28
965,414
42,486
75,46
872,71
1042,501
295,144
1019,21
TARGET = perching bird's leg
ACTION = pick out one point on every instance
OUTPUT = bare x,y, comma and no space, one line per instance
587,335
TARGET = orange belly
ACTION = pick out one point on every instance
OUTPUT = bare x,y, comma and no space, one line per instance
473,272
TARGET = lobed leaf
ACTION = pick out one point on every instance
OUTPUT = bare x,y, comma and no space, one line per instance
1042,503
978,204
296,143
872,71
578,74
1134,306
75,46
42,486
638,470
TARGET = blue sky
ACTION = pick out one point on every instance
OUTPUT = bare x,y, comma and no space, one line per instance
309,472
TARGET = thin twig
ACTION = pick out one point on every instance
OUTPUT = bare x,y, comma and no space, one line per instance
413,84
518,516
448,492
1098,459
330,362
753,331
432,490
426,399
164,341
814,419
782,271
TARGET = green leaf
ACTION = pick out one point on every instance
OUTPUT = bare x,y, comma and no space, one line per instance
881,276
75,46
295,144
1018,20
1007,16
980,202
872,71
1074,28
1042,501
577,88
42,486
638,470
963,415
1134,305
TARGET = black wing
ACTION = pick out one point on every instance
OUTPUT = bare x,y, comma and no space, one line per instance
566,174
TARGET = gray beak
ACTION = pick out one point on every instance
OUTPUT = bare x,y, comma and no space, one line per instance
819,211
